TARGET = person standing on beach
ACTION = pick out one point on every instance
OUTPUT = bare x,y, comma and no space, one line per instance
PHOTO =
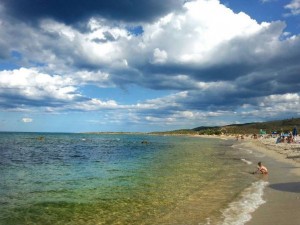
295,133
261,169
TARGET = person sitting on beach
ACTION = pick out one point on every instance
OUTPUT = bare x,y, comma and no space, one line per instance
261,169
280,139
290,138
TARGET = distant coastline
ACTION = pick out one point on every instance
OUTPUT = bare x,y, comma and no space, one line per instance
227,130
105,132
230,130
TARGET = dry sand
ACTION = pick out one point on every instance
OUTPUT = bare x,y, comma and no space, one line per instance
282,195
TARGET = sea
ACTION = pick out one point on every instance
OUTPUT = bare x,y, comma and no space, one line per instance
90,179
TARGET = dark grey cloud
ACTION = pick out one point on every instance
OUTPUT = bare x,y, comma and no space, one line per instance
70,11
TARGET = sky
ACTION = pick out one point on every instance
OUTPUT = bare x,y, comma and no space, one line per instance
147,65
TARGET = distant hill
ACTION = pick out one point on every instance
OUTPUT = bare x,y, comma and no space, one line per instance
246,128
254,128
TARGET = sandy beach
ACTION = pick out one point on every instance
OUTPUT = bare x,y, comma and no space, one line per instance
282,194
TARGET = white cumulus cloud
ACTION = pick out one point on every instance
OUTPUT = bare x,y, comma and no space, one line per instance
159,56
27,120
31,84
294,7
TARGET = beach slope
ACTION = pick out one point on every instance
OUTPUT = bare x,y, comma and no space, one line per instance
282,194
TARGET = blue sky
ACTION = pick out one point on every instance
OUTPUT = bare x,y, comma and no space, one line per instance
147,65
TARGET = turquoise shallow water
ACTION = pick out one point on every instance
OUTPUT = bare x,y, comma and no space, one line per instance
116,179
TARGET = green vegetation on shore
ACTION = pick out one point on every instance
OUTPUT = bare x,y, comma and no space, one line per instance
247,128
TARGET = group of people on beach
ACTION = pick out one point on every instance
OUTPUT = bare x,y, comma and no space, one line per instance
287,137
290,137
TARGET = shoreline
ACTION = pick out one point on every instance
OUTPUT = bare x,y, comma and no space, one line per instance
286,152
282,194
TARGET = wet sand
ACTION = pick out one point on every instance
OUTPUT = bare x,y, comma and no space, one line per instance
282,195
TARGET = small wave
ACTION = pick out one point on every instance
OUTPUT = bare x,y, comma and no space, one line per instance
241,147
239,212
246,150
236,146
259,155
246,161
